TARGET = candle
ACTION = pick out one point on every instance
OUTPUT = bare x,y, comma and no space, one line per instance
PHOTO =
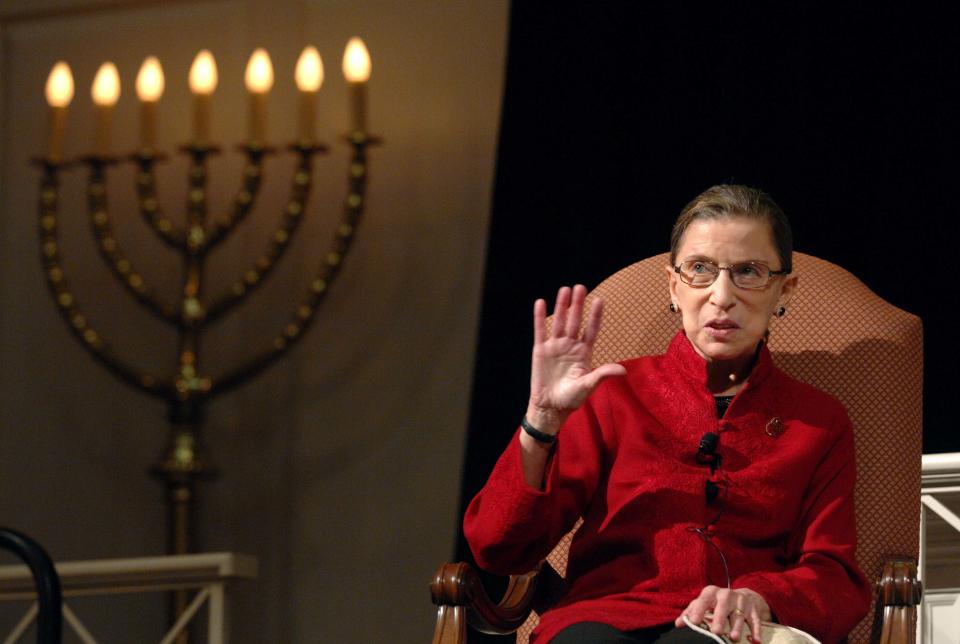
59,93
105,92
309,77
203,82
356,69
259,80
149,90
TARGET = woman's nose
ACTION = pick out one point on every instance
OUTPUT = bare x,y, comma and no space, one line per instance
722,291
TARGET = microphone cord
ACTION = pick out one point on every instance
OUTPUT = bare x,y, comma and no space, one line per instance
706,537
702,530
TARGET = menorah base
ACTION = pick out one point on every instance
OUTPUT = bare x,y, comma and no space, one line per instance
181,468
183,464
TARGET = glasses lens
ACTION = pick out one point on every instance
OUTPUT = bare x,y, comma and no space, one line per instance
750,275
698,272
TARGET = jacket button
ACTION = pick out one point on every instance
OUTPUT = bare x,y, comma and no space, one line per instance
711,530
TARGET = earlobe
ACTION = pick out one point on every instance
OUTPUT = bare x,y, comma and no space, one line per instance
786,292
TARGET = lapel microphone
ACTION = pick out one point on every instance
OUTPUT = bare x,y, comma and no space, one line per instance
707,452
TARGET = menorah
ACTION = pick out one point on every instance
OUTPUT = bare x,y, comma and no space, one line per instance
187,390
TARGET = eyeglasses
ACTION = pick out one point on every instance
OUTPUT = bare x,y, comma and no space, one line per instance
700,273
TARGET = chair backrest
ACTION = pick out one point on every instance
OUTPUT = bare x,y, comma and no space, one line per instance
838,336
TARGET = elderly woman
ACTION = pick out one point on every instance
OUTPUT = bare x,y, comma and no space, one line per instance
713,486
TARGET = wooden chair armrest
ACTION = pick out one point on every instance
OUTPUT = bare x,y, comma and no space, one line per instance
461,599
900,592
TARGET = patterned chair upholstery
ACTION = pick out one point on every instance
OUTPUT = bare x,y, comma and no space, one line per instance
837,335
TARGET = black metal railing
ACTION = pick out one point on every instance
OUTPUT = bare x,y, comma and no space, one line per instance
46,581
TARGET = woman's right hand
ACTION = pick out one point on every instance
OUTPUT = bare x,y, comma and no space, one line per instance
561,377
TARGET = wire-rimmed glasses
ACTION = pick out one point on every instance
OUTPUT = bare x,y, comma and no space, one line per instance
700,273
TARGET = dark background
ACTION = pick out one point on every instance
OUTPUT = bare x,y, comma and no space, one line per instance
617,114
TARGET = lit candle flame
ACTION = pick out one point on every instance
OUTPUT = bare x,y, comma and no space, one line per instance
259,75
309,72
150,81
59,89
203,73
106,85
356,61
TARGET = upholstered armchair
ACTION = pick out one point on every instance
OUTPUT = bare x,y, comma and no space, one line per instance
838,336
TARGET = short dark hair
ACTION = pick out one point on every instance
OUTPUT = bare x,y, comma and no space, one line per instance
725,201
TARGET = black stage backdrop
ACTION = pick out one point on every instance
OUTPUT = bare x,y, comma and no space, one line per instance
617,114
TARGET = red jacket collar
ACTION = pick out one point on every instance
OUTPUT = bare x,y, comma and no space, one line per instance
693,366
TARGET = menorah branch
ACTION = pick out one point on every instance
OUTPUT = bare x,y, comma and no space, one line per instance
245,197
327,271
109,246
279,241
149,203
78,323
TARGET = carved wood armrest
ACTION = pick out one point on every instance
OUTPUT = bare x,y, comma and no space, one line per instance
900,593
460,598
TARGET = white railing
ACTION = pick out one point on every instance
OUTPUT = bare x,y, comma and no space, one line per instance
939,619
209,573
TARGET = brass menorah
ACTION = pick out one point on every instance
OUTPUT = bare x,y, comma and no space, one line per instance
185,461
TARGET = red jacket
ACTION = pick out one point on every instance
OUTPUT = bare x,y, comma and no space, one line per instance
626,462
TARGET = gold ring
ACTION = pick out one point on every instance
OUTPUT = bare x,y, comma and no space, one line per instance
737,611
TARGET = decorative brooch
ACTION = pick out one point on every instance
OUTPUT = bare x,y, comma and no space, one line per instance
775,427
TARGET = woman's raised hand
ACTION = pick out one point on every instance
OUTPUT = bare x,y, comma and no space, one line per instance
561,377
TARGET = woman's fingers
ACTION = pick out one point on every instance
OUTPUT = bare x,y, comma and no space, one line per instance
732,610
568,314
736,626
737,618
721,610
757,610
575,315
699,606
594,318
756,632
539,322
746,615
560,311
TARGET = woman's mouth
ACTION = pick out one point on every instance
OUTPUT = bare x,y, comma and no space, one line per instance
721,329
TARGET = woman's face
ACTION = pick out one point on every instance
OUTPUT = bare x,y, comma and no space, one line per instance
722,321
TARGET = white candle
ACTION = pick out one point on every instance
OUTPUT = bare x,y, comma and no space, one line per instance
309,77
203,82
150,86
356,69
105,92
59,93
258,79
